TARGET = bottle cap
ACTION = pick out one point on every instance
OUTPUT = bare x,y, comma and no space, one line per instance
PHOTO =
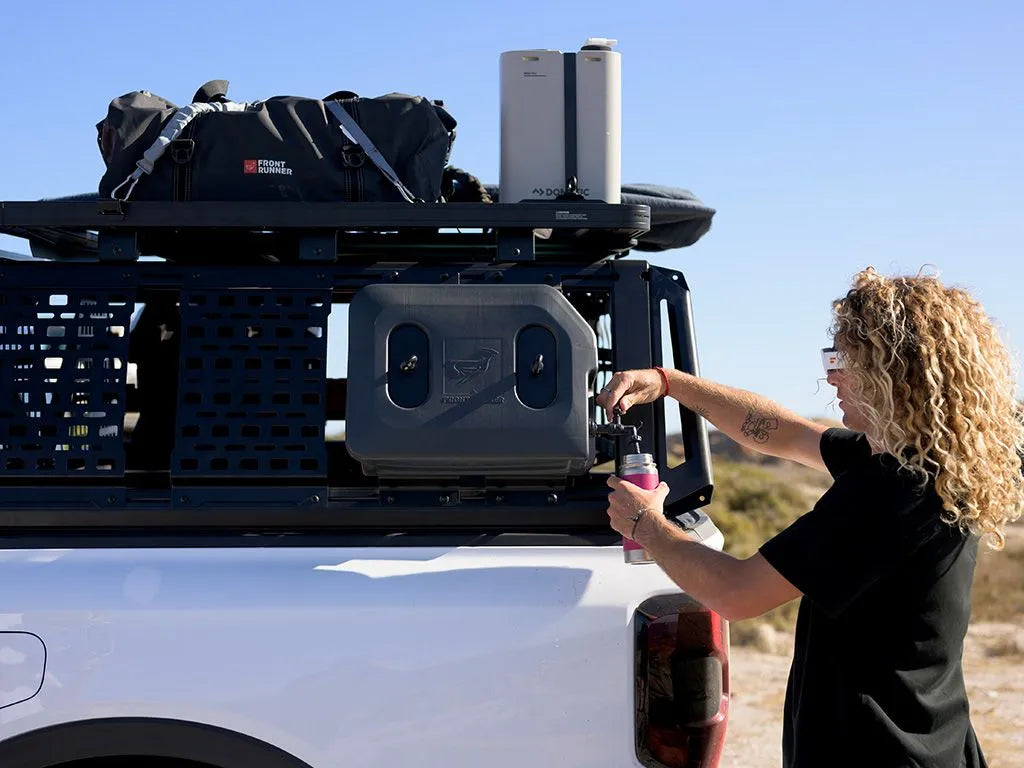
636,461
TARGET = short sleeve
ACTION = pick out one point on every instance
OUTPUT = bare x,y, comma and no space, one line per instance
862,528
843,448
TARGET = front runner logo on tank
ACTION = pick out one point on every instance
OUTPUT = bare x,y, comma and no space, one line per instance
278,167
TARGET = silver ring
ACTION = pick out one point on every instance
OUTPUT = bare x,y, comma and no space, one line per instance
605,389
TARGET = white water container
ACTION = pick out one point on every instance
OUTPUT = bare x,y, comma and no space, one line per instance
540,151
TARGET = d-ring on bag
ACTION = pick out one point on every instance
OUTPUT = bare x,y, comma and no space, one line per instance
342,148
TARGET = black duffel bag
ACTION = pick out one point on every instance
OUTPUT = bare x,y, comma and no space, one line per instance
342,148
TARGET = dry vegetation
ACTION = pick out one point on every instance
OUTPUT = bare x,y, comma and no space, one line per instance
999,581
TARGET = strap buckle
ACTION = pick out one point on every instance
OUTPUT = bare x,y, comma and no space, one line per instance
182,150
353,156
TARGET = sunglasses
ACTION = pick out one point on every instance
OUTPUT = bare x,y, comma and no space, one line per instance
832,360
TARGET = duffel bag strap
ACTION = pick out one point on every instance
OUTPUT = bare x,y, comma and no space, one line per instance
355,134
171,131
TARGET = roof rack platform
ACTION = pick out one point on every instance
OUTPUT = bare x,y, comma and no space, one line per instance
112,230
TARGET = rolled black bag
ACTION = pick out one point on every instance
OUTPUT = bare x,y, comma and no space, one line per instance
341,148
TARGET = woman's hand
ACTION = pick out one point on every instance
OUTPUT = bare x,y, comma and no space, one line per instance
629,388
636,513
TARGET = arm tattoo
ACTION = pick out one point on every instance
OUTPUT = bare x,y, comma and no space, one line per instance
702,411
757,427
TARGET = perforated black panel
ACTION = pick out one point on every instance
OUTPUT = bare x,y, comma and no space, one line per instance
63,362
252,384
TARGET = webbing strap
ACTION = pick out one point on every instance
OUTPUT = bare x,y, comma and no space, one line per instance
356,135
171,131
569,96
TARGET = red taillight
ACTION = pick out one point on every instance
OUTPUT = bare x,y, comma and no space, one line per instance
682,683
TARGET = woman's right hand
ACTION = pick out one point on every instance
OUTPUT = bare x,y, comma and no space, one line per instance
629,388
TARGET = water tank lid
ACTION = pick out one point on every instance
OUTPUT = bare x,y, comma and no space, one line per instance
599,44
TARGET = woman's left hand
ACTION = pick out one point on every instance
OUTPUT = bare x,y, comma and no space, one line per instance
636,513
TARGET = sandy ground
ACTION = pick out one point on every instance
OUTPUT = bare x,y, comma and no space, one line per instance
993,667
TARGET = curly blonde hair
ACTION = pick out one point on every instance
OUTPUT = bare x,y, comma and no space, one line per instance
929,372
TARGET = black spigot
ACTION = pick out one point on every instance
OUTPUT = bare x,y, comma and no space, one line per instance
617,429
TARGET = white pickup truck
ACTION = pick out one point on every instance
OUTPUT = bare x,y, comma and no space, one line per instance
192,575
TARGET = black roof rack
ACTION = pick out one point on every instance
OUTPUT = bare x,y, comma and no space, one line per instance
70,460
112,230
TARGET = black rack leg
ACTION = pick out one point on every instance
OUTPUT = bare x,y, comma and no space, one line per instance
118,246
318,246
516,245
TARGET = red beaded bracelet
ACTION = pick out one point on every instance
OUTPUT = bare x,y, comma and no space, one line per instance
664,379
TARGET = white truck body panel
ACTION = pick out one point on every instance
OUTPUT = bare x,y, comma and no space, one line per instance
440,656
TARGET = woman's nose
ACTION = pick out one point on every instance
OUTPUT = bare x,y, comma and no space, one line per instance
833,377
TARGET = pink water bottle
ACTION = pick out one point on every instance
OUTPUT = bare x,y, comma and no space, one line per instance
639,469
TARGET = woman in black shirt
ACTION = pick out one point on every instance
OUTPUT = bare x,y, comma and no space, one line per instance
930,461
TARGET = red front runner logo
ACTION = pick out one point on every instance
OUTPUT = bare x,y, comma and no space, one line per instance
250,166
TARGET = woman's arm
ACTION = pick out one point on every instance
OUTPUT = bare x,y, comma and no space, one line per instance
734,588
751,420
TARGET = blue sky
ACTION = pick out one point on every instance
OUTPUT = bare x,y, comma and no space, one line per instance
828,135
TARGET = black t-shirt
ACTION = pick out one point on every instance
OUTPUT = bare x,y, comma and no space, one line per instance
876,678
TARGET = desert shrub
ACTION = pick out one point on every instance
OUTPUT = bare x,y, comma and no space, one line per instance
998,593
752,503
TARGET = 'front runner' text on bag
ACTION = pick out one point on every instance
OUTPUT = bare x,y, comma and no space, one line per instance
342,148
